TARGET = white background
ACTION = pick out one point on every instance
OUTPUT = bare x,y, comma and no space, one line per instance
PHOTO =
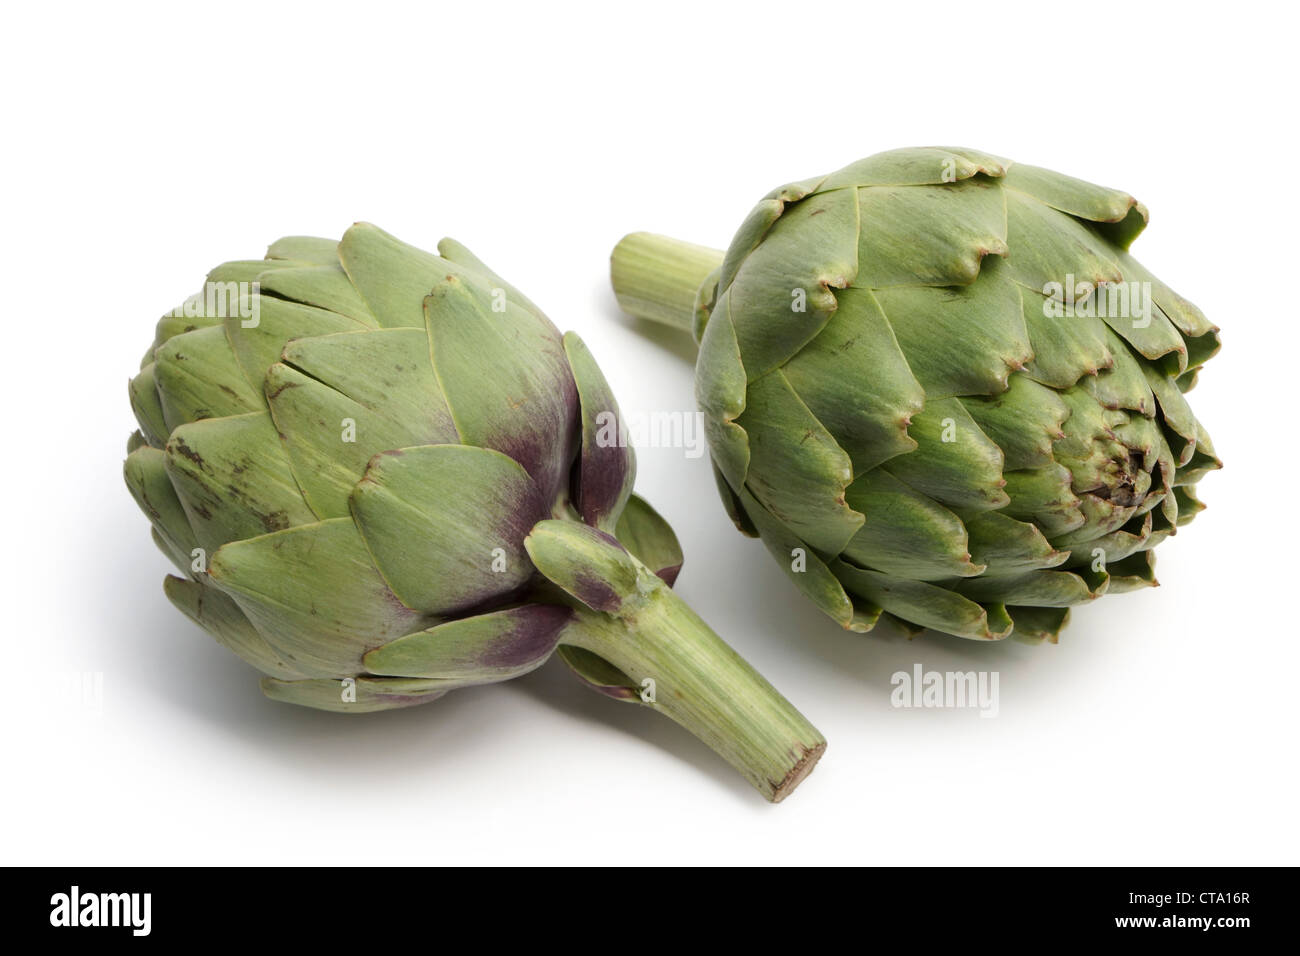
145,144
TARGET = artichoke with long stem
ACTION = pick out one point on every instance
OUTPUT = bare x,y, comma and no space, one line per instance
939,388
381,475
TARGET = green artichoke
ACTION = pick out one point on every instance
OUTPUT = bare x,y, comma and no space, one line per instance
380,472
938,387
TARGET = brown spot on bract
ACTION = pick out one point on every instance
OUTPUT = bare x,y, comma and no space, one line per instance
278,389
185,451
275,521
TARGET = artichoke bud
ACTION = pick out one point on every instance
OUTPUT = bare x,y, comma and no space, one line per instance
945,377
380,474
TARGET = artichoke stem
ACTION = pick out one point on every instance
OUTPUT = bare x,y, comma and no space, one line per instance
677,665
657,278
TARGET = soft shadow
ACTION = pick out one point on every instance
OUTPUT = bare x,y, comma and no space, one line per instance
559,689
674,341
195,675
154,651
789,635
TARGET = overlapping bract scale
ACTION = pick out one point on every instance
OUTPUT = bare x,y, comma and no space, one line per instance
977,418
343,450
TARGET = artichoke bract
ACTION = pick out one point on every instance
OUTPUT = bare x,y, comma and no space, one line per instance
381,475
939,388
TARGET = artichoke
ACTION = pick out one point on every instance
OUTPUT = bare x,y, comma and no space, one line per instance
381,475
939,388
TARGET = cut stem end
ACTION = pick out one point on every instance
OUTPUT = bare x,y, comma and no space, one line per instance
704,685
657,278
